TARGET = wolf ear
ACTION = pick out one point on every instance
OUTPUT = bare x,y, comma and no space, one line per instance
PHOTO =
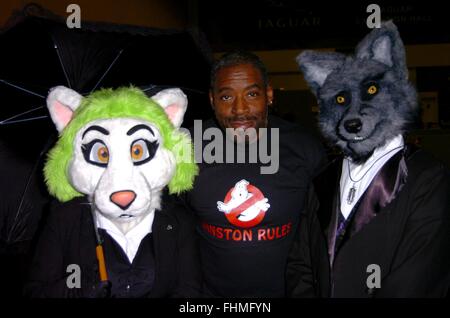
62,103
174,102
385,46
316,66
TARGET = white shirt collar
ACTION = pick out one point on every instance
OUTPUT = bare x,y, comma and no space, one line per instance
365,172
130,241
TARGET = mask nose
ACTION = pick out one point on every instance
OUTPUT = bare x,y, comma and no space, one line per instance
123,199
353,126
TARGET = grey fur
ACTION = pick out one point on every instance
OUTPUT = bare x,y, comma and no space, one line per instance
316,66
380,60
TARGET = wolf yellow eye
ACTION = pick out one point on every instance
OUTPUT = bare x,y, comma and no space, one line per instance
340,99
372,89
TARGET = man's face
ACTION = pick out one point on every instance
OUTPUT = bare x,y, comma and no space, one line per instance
240,98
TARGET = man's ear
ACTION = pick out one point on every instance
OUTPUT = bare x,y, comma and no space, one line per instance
269,94
62,103
316,66
211,98
174,102
384,45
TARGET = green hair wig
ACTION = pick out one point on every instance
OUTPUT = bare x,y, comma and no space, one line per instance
125,102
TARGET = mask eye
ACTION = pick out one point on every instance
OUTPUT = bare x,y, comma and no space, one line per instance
96,153
142,151
372,90
137,152
343,98
340,100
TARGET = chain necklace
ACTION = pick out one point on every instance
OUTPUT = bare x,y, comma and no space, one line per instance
352,191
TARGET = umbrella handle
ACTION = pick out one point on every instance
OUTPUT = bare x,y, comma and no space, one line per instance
101,263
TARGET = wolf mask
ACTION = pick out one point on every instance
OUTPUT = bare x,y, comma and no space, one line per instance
365,99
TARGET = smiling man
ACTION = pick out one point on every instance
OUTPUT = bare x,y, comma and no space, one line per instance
239,95
246,219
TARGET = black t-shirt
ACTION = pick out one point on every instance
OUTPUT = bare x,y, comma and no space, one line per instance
247,219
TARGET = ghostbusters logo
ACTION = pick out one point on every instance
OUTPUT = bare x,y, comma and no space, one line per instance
245,205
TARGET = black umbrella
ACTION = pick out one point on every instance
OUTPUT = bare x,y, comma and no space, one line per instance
38,51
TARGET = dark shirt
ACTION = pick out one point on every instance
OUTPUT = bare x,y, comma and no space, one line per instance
246,257
130,280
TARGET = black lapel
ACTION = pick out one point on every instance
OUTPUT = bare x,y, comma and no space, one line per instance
164,231
332,228
88,242
326,187
383,189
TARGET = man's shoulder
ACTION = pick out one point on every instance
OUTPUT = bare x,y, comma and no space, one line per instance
297,138
278,122
290,129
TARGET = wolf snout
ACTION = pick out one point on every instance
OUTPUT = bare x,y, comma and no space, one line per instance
123,199
353,126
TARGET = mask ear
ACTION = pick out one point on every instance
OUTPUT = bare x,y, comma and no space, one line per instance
384,45
316,66
62,103
174,102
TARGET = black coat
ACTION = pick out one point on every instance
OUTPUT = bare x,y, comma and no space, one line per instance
69,238
409,239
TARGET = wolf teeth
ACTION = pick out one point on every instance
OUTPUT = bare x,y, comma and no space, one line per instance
358,138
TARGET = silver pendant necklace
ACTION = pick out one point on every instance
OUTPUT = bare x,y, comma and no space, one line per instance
352,192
